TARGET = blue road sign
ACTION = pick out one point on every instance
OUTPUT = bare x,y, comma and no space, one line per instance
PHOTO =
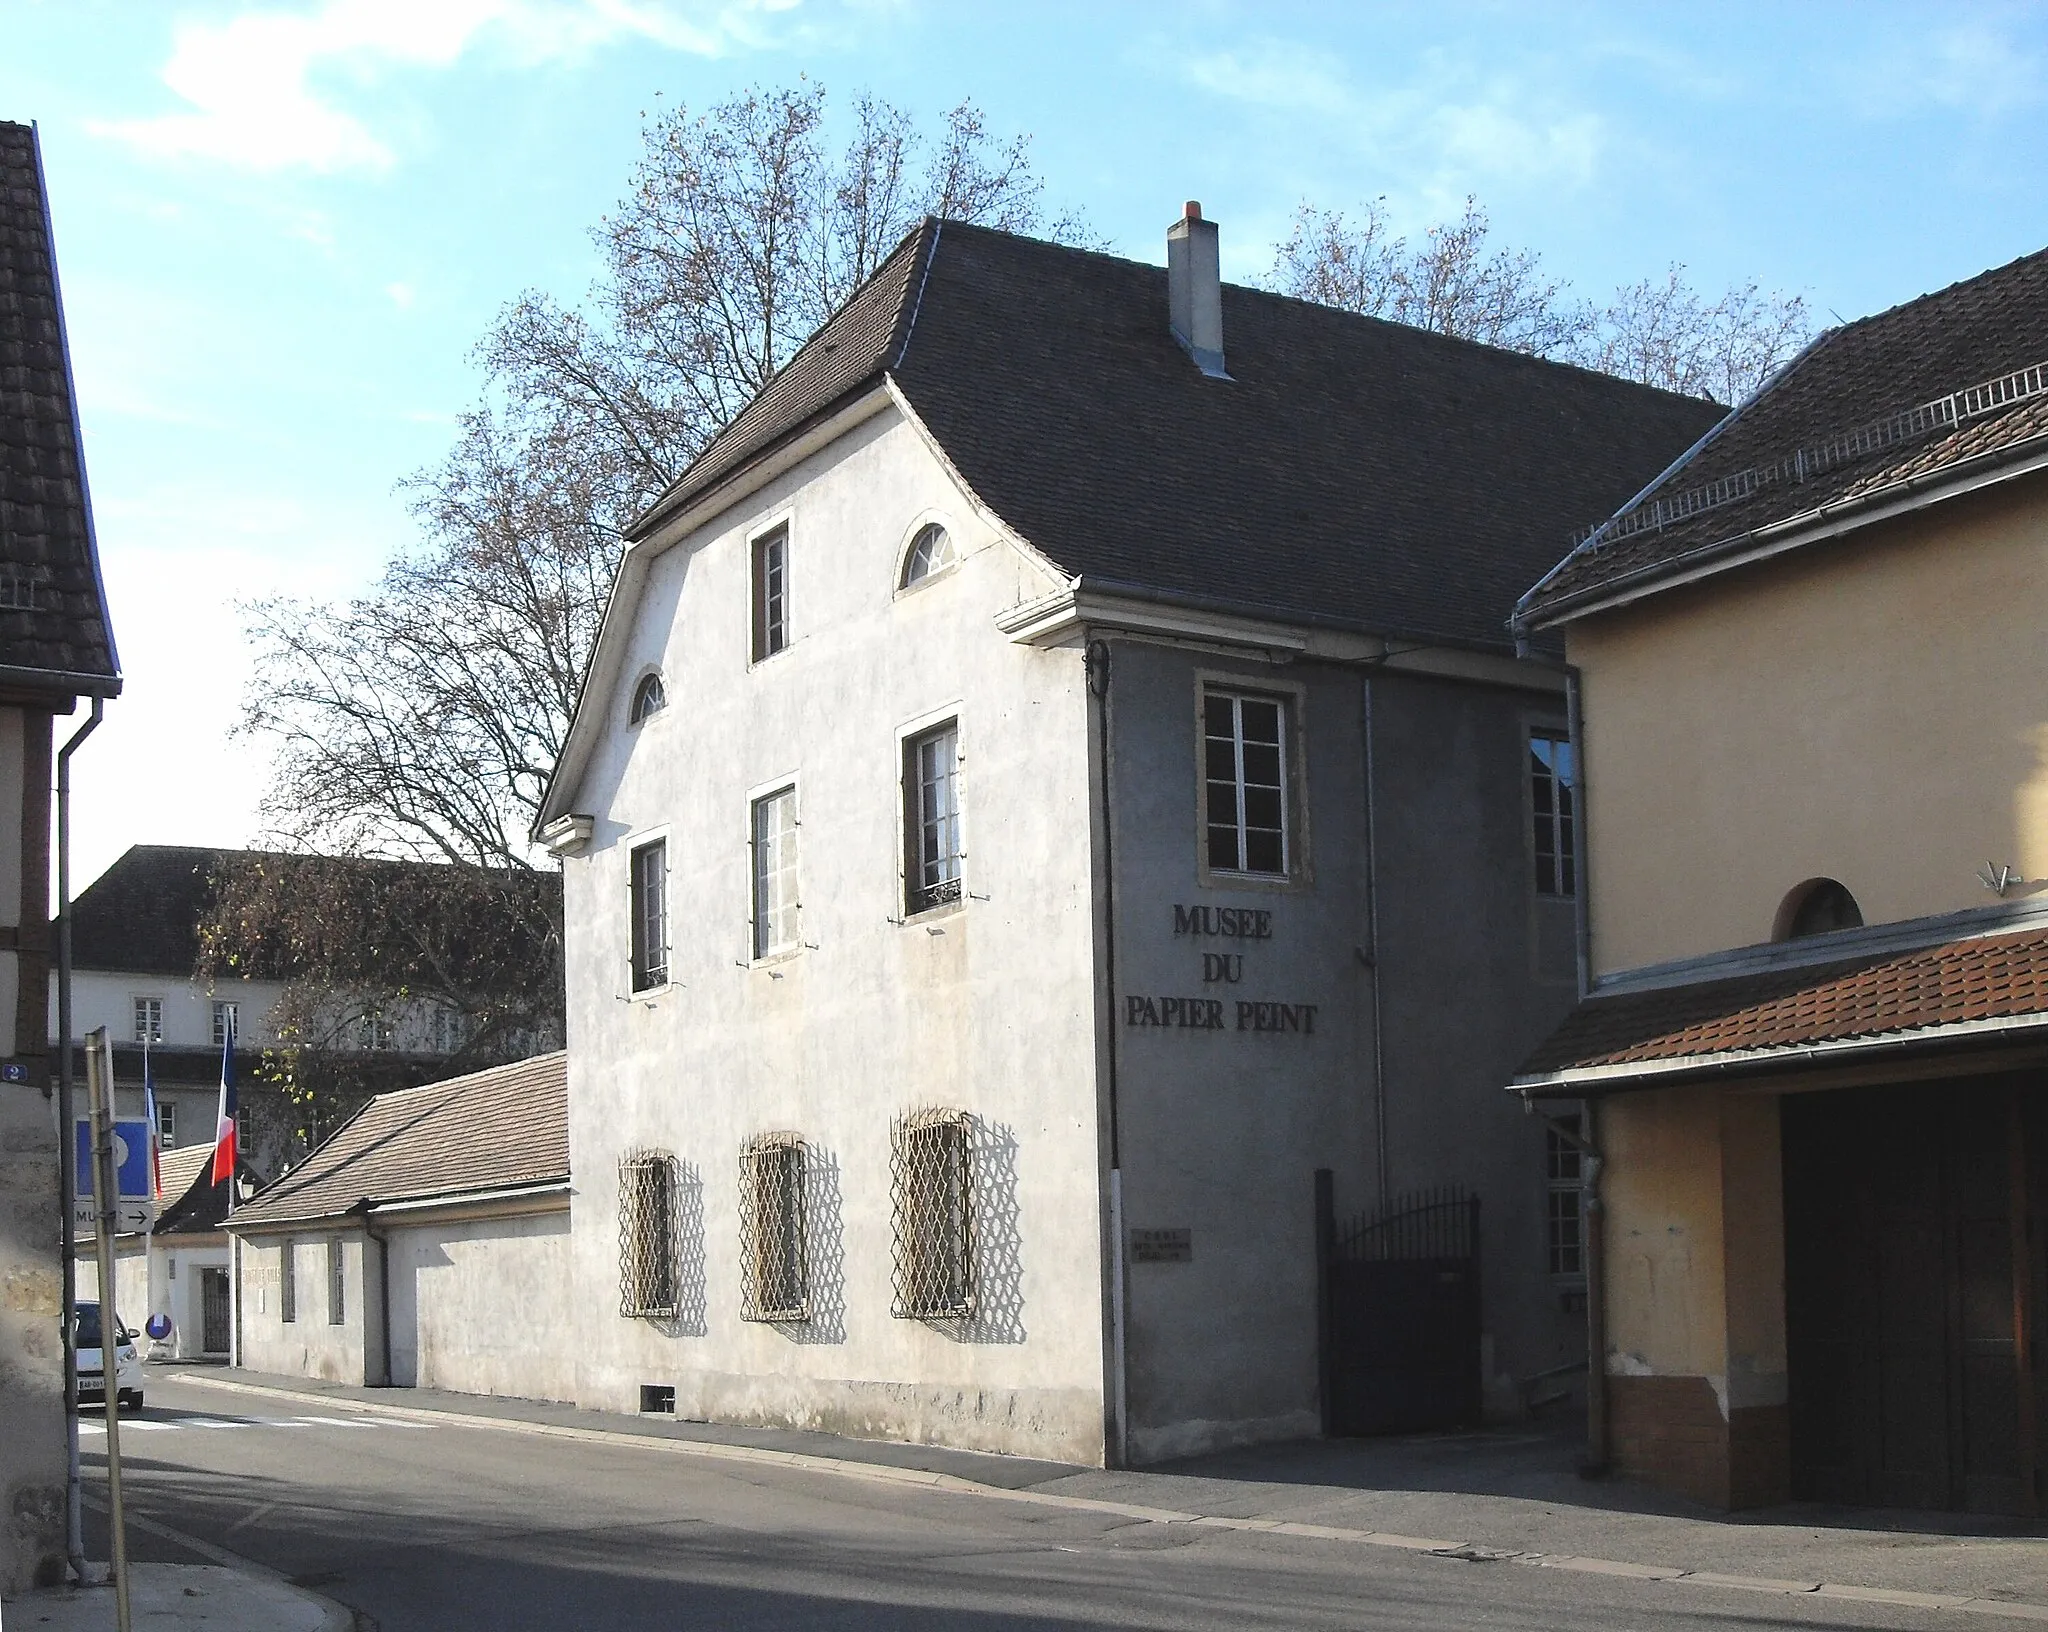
131,1159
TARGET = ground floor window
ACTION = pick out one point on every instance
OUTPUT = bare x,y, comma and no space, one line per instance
931,1170
288,1282
337,1295
1566,1214
774,1268
649,1282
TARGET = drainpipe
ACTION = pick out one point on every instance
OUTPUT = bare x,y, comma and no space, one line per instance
1372,955
1582,895
1097,669
74,1527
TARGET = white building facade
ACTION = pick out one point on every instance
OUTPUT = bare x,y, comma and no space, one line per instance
980,929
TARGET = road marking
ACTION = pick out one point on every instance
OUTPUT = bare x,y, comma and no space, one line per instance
804,1462
158,1425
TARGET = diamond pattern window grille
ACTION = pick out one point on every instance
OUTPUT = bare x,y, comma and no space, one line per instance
932,1182
775,1273
650,1285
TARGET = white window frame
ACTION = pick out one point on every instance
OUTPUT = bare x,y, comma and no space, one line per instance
154,1006
166,1122
907,550
1564,1197
1294,804
228,1009
909,806
766,946
761,645
666,970
636,716
1558,881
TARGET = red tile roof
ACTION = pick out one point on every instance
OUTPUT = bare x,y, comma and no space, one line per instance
1900,996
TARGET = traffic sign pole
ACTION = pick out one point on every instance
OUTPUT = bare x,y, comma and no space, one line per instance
98,1070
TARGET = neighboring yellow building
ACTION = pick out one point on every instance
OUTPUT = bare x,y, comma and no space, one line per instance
1814,785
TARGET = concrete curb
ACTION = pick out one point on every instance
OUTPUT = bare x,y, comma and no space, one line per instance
1462,1551
337,1617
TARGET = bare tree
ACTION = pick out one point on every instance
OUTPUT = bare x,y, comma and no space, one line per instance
1457,282
422,719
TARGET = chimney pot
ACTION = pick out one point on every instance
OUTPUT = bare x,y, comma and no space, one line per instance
1194,289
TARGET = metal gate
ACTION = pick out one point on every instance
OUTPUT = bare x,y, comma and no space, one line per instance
1400,1312
213,1310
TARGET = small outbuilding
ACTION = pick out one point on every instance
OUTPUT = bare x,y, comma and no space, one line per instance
425,1244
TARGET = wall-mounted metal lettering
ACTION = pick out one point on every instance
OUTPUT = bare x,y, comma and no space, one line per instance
1162,1246
1225,923
1210,1014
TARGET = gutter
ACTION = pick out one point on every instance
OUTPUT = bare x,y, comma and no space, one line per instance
430,1202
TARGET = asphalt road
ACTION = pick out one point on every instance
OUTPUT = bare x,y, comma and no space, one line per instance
444,1528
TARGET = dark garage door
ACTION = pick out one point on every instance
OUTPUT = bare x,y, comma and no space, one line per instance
1905,1219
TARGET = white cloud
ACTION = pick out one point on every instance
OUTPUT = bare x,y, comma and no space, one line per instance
265,90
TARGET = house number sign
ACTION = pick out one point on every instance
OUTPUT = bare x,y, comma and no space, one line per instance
1227,927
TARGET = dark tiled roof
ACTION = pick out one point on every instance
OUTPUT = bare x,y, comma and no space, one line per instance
61,640
1351,470
491,1130
192,1204
1860,375
142,914
1879,995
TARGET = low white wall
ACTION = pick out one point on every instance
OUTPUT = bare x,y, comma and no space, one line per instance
161,1279
483,1307
313,1344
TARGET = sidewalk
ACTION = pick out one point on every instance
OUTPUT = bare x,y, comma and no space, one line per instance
1497,1496
163,1597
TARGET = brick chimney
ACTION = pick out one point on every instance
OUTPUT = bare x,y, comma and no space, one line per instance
1194,289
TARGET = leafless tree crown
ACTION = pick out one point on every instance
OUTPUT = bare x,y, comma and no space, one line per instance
1456,281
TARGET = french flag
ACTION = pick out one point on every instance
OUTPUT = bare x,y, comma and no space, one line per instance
224,1149
149,1112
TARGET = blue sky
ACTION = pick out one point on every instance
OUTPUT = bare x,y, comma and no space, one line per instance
282,227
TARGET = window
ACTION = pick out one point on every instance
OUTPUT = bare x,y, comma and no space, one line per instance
931,787
166,1123
337,1279
649,887
1553,784
933,1215
373,1030
931,552
149,1019
648,698
288,1281
1244,753
650,1283
1566,1209
451,1029
771,593
226,1023
774,847
1815,908
774,1271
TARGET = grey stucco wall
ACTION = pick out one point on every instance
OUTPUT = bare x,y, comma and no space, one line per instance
483,1307
312,1345
1222,1130
31,1343
989,1008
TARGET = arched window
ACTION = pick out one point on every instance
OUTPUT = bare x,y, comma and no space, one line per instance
1814,908
930,552
648,698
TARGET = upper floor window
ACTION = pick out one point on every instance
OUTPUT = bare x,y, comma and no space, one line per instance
930,552
373,1030
451,1029
648,698
167,1122
774,844
931,790
648,888
1553,803
1816,907
1244,771
771,593
226,1018
149,1019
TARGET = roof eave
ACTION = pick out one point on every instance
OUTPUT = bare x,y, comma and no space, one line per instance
1958,480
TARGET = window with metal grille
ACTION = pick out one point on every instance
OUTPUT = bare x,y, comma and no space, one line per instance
149,1019
930,552
225,1018
649,891
931,1174
1553,786
288,1282
774,846
1244,770
771,593
775,1277
1566,1210
649,1279
931,789
167,1122
337,1283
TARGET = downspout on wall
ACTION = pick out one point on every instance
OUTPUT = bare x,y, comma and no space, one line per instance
372,1233
1593,1208
1116,1447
